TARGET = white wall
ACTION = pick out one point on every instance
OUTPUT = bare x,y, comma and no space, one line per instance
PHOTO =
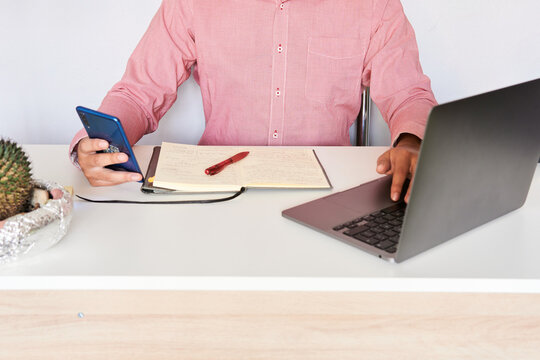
472,46
57,54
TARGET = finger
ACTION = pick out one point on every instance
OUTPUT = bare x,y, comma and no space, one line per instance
383,163
408,195
400,168
413,160
102,182
105,159
90,146
412,172
108,177
96,173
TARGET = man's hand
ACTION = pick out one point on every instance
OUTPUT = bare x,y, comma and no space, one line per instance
400,162
93,164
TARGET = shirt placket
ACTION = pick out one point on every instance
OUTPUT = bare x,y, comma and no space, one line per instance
279,70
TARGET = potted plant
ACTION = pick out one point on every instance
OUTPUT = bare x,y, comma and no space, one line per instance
34,214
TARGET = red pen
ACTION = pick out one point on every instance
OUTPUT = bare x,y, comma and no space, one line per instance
213,170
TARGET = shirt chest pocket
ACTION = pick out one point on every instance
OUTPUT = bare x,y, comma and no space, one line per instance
334,69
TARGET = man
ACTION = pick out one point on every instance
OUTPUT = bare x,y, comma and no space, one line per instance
272,72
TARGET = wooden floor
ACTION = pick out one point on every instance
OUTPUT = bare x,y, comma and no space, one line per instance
267,325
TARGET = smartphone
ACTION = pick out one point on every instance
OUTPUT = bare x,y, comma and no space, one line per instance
102,126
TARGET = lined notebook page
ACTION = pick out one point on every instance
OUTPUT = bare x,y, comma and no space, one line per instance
181,167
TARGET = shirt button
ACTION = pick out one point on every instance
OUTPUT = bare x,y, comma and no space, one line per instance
275,134
280,48
281,6
278,92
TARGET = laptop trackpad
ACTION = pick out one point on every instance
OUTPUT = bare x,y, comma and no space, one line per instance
365,198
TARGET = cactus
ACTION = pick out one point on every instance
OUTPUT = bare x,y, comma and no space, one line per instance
16,183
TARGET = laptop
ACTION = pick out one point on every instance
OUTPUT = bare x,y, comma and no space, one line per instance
476,163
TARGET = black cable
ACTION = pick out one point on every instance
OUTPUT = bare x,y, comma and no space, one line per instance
207,201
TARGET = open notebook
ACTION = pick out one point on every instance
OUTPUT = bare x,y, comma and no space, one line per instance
182,168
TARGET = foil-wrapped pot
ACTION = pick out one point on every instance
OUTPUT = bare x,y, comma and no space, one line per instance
30,233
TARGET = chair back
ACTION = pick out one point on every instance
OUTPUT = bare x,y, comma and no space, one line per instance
363,120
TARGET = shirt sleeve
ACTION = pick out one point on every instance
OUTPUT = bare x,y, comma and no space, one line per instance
160,63
392,70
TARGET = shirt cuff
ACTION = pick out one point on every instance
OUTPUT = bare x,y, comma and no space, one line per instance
73,156
411,120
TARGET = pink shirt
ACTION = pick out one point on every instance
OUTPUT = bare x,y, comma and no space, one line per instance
275,72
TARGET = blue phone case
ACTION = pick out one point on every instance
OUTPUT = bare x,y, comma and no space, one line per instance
102,126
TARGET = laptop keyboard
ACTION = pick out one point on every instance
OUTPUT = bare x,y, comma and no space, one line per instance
380,228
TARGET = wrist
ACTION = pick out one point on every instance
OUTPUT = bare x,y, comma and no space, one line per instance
407,139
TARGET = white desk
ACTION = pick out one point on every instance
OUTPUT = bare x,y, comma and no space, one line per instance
243,256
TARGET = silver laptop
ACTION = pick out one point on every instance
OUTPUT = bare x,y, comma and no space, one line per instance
476,163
